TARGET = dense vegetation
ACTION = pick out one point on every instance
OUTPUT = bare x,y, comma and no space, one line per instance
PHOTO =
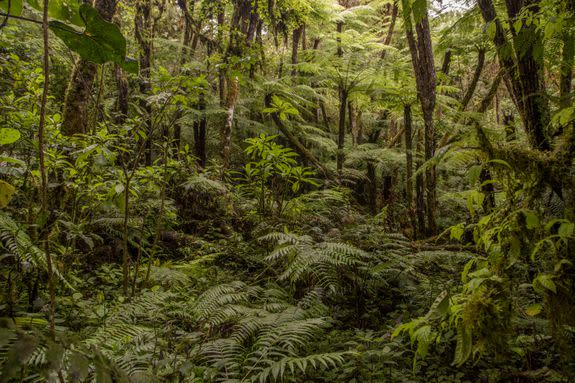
287,191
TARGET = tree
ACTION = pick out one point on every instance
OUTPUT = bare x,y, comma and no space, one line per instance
415,17
79,92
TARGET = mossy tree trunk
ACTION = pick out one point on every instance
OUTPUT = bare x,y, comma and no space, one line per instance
425,77
79,91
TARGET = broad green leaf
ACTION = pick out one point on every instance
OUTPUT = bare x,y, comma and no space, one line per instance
100,42
6,193
491,29
545,281
566,229
500,162
8,136
64,10
531,219
440,305
14,5
533,310
464,344
457,232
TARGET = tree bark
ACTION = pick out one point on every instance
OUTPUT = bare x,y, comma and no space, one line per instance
242,31
408,134
296,36
200,130
354,124
79,91
390,29
233,93
446,62
476,75
143,31
523,63
123,93
566,74
420,188
425,76
343,95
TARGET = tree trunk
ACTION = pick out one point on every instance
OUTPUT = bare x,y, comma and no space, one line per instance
242,31
338,39
487,189
389,35
446,62
354,124
123,92
476,75
420,188
296,35
143,31
221,74
408,134
372,187
79,91
341,128
295,143
200,128
566,74
190,38
524,67
233,85
424,67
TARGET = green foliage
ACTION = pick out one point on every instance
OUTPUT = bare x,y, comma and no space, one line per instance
100,42
273,174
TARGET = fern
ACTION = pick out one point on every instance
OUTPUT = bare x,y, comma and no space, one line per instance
15,239
260,333
320,263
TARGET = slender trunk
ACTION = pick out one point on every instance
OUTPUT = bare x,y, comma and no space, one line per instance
476,75
44,210
408,134
324,116
122,99
566,75
341,128
338,39
200,133
143,31
296,35
389,35
487,189
221,74
354,125
125,253
190,38
488,99
295,142
387,189
372,187
98,113
230,106
430,174
420,188
446,62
